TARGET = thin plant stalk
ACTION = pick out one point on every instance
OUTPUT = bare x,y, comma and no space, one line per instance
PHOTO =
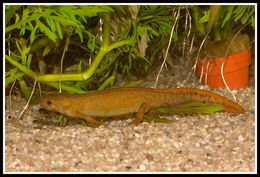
166,53
187,18
62,57
10,93
225,57
26,106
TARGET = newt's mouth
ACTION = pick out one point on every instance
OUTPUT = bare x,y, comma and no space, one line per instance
53,107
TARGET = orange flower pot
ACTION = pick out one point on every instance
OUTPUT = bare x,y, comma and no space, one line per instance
236,69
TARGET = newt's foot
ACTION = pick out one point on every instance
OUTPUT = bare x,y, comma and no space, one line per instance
86,123
90,119
134,122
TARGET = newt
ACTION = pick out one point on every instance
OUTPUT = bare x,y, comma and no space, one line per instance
122,101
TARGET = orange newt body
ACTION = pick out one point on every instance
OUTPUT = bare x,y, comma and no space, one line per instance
121,101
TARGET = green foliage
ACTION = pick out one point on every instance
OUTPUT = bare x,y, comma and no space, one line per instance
228,20
198,20
25,58
154,20
53,21
45,27
133,35
62,120
12,75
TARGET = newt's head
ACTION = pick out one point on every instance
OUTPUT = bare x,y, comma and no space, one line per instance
56,102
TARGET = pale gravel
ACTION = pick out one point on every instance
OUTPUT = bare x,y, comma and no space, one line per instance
221,142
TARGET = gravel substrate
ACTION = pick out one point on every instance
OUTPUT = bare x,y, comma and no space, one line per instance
221,142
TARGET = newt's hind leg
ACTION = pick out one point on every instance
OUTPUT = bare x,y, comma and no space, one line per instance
144,108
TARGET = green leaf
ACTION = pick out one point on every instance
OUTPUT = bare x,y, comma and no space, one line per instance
229,13
108,81
150,31
133,84
64,21
253,21
106,8
25,15
239,12
46,31
62,120
205,18
12,75
30,26
51,24
91,43
33,32
92,11
10,10
79,32
17,18
22,31
245,18
24,88
175,36
58,28
29,59
18,46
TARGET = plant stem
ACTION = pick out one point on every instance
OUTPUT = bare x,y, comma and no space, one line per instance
121,43
65,87
87,74
47,77
60,77
21,67
106,30
105,48
217,27
196,17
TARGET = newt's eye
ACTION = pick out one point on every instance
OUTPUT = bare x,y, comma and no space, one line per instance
52,105
49,102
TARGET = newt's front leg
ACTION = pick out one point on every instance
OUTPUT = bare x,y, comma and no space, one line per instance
87,118
144,108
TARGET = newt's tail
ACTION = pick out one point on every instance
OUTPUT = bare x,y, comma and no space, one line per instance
209,97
